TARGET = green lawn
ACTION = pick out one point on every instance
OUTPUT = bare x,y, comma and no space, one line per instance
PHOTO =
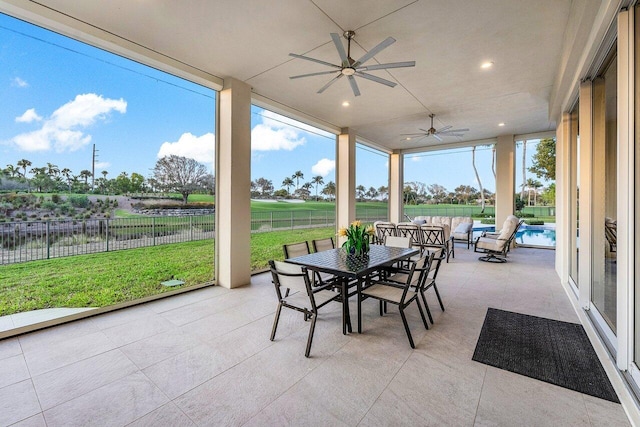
104,279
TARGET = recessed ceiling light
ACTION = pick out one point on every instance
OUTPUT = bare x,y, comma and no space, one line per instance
345,104
408,138
487,64
501,124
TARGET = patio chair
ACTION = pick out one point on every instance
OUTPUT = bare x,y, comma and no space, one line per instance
433,239
293,250
611,233
411,230
384,229
399,294
320,245
298,295
496,249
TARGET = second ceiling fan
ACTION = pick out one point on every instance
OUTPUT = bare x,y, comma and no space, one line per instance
436,133
354,68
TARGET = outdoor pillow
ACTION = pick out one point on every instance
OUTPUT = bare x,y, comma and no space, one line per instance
419,221
463,228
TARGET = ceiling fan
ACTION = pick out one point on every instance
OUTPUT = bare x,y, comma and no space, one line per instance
352,68
437,134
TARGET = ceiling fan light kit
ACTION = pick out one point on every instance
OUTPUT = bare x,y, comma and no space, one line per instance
353,68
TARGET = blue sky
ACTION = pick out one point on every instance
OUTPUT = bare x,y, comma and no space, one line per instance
59,97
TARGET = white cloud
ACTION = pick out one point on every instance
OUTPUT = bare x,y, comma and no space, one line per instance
62,131
200,148
102,165
415,159
29,116
17,81
267,138
324,167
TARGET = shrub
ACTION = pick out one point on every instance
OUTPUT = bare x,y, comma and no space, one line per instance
78,200
524,215
534,222
488,221
55,198
49,205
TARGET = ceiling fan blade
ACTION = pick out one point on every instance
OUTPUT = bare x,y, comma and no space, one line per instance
424,130
455,130
444,129
376,79
376,49
454,134
412,134
332,81
437,137
389,65
319,73
340,47
314,60
354,86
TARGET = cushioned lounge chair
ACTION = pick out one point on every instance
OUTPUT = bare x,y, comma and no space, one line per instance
495,246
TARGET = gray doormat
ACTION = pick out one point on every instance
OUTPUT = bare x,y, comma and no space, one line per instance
549,350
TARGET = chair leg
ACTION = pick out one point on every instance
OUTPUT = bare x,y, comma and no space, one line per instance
426,306
275,321
381,308
438,295
424,320
406,328
311,329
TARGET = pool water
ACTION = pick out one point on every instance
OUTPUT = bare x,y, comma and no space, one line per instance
533,235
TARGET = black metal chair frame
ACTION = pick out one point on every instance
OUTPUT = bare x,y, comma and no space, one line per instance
406,299
316,243
433,237
383,230
412,231
497,256
282,301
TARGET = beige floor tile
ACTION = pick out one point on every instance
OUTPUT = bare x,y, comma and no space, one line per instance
121,317
512,399
164,345
13,370
18,402
138,329
52,336
166,415
76,379
118,403
177,301
63,353
9,347
35,421
603,413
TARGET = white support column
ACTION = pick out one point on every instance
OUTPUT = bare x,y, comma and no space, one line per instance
233,186
345,178
396,184
505,178
563,196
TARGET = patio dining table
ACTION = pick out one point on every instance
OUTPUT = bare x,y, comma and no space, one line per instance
348,268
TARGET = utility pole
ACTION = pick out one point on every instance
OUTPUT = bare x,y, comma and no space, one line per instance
93,168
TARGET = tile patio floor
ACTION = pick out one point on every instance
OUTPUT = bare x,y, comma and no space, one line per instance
204,358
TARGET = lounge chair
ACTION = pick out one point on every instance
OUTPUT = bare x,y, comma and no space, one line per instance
611,233
496,245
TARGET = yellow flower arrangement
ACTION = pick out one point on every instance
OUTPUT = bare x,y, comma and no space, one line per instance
358,236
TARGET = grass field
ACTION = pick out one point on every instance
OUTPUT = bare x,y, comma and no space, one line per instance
105,279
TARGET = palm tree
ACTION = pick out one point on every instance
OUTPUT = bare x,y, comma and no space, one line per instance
524,167
24,164
307,188
317,180
298,176
85,174
360,192
493,160
66,172
531,184
52,170
329,189
12,171
287,183
473,162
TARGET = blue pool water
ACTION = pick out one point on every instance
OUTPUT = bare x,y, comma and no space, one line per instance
534,235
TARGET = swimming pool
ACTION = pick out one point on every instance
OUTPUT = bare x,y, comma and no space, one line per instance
527,235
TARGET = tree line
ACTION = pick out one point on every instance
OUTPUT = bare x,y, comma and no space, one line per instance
170,174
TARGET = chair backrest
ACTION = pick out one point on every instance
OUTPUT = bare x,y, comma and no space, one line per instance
410,230
508,232
320,245
611,233
398,242
296,249
290,276
384,229
432,235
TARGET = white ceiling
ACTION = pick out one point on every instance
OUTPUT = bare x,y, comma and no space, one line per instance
250,40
